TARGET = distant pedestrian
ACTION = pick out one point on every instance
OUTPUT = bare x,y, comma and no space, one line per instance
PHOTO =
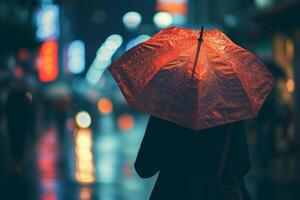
19,116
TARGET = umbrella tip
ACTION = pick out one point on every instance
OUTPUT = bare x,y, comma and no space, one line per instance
201,34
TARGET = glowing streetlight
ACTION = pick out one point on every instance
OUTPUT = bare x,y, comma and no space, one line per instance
125,122
132,20
103,58
76,57
290,85
105,106
163,19
83,119
84,166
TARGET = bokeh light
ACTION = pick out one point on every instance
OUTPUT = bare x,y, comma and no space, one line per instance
83,119
71,124
132,20
125,122
85,193
48,61
47,21
163,19
103,58
76,57
290,85
84,165
105,105
18,72
139,39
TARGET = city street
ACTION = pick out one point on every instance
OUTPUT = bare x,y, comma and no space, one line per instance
79,80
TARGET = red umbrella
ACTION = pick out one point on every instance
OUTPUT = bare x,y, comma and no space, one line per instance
197,82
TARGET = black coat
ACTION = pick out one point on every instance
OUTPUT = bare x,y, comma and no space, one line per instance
180,154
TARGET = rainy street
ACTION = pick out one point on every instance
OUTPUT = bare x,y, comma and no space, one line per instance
88,166
79,81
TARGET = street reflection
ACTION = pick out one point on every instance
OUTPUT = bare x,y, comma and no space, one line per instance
47,156
108,152
100,163
85,193
84,164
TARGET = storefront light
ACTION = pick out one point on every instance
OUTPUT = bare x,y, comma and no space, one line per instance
290,85
132,20
105,106
83,119
163,19
76,57
47,21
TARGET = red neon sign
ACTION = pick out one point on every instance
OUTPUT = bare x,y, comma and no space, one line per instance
176,7
48,61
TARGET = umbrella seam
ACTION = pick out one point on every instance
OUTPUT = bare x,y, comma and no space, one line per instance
235,46
218,84
230,64
154,74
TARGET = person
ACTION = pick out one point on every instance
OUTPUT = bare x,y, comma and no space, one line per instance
182,156
19,114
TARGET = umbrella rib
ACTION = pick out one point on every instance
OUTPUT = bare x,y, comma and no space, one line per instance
196,59
197,52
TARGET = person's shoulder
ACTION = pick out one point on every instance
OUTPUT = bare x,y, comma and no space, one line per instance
239,125
167,127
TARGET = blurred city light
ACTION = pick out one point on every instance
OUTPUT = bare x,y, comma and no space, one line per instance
178,9
29,96
47,21
107,144
290,50
47,61
108,160
84,164
125,122
22,54
47,153
263,3
18,72
162,20
85,193
139,39
71,124
132,20
290,85
230,20
105,105
47,156
127,169
76,57
83,140
83,119
103,58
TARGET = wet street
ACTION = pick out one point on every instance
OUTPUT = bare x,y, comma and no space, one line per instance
91,165
87,166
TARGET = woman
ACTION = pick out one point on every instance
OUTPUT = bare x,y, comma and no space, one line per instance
184,157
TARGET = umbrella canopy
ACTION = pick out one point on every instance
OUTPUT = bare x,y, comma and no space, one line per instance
195,83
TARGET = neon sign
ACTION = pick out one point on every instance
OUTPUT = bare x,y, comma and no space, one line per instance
48,61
